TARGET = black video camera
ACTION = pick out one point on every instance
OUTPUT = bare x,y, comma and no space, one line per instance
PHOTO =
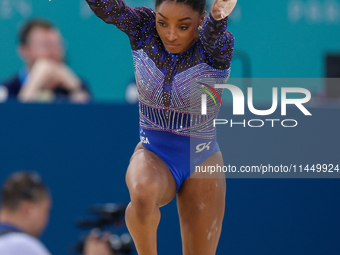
107,215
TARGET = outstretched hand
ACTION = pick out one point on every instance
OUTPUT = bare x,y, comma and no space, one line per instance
222,8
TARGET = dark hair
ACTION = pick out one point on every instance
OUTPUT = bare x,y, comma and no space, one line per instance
29,26
22,186
196,5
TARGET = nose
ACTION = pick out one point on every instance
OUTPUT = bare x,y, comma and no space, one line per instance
171,34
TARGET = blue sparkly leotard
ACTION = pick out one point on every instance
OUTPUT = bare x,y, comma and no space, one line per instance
169,86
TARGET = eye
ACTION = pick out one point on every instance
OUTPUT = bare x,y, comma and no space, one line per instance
184,27
161,23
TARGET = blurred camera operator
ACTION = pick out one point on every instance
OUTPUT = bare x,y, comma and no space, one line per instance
46,76
24,213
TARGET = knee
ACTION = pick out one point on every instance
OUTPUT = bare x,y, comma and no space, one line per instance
144,198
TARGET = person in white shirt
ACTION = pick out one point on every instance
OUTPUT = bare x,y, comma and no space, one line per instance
24,214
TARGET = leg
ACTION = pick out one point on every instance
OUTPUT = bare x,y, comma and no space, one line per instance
151,185
201,203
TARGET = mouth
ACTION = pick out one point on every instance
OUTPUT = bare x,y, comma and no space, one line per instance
171,45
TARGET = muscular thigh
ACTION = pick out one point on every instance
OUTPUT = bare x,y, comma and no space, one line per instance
148,171
201,204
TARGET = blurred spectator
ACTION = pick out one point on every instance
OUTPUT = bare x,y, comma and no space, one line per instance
46,76
131,92
24,213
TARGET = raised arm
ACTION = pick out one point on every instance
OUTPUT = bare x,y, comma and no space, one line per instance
217,40
135,22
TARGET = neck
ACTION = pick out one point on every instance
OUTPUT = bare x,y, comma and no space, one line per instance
14,218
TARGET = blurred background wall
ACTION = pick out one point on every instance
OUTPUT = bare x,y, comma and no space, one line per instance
276,39
82,152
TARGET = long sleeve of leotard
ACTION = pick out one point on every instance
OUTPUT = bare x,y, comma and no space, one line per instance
217,41
135,22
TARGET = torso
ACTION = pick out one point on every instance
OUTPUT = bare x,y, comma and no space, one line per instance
169,98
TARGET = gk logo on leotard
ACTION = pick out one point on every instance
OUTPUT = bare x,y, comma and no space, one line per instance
200,147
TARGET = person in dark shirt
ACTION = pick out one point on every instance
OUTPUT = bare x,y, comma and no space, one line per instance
45,77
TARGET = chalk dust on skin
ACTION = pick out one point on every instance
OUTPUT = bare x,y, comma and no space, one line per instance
213,229
201,206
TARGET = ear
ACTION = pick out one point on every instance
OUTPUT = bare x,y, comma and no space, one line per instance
202,18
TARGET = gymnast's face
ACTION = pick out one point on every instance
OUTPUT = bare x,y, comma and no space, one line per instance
177,25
